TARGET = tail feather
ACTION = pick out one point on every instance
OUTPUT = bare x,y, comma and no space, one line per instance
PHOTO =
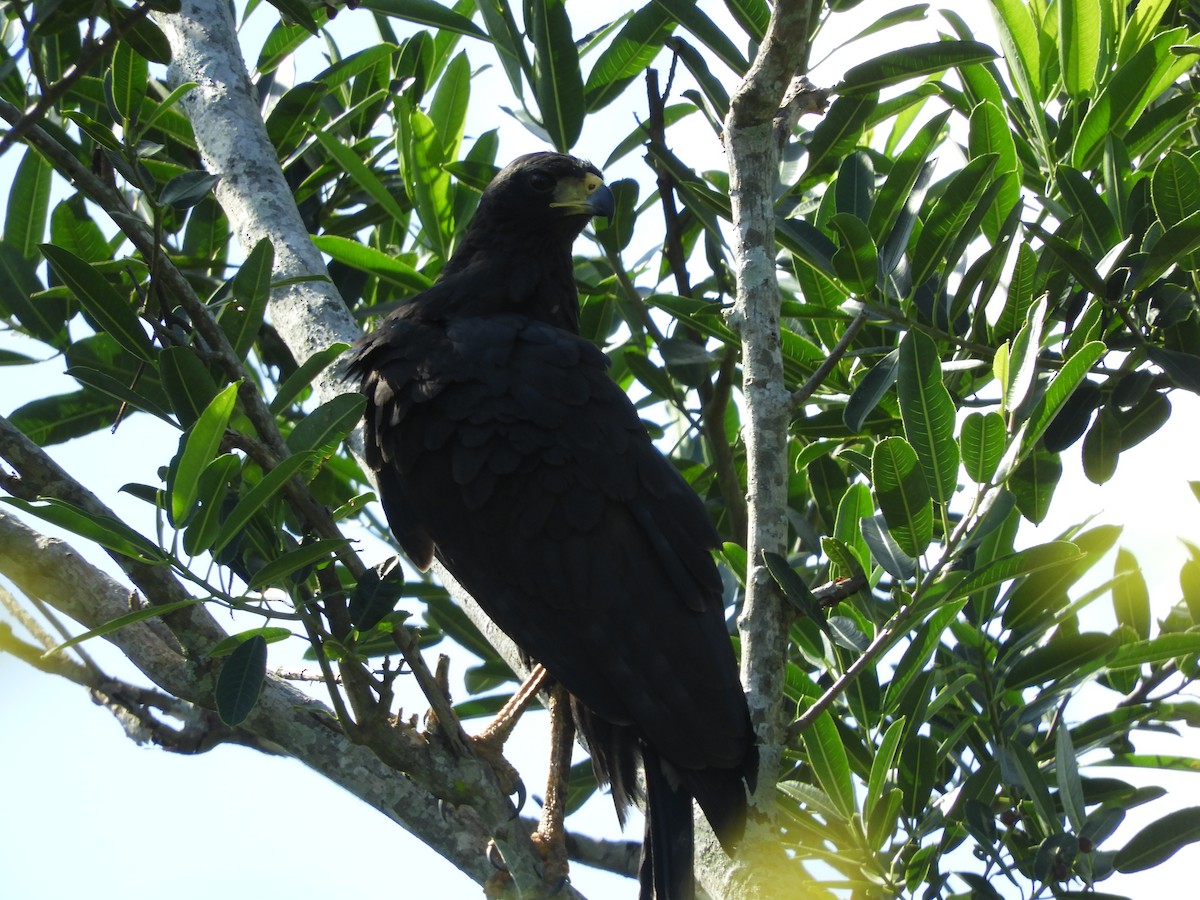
666,868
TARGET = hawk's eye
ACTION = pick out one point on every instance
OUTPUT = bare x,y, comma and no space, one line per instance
541,182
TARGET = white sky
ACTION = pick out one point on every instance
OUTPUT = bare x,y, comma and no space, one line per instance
84,812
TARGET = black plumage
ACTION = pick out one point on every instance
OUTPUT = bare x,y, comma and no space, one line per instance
503,448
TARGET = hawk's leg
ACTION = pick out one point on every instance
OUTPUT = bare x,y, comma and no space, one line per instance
551,836
489,743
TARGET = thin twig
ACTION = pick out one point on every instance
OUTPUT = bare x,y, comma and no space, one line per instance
800,395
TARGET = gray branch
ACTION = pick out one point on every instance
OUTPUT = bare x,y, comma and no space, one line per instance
752,145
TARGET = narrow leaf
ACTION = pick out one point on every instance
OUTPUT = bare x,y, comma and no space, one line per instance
256,498
138,615
199,448
112,312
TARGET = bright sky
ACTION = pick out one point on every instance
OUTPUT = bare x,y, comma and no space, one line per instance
84,812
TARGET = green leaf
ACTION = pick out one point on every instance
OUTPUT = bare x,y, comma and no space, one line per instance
200,446
1019,40
898,189
241,681
1176,245
426,12
119,390
61,417
945,223
1076,262
251,289
28,206
793,586
628,55
1154,651
1100,231
686,13
1124,97
1175,190
164,108
837,134
431,185
1131,597
1073,657
110,533
138,615
885,550
1159,841
112,312
187,383
1032,483
855,505
270,634
256,498
187,189
883,763
287,392
376,594
328,424
903,494
350,162
928,414
1038,558
1143,420
912,663
983,441
1023,362
214,486
375,262
1060,389
827,756
898,66
874,386
557,82
857,261
294,560
1066,773
1079,44
128,76
1045,591
1102,447
448,110
43,317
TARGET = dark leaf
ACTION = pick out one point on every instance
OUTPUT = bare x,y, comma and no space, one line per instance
241,680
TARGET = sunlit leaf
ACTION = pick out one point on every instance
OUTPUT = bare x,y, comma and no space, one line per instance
928,414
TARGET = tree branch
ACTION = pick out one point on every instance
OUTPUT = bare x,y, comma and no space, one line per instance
753,168
753,157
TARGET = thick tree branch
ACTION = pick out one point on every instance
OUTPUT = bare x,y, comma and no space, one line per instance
753,168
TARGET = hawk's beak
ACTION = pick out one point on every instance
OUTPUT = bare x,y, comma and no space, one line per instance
587,196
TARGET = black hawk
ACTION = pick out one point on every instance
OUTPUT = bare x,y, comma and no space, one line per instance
503,448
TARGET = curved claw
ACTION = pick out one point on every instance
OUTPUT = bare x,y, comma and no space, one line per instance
522,796
495,858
